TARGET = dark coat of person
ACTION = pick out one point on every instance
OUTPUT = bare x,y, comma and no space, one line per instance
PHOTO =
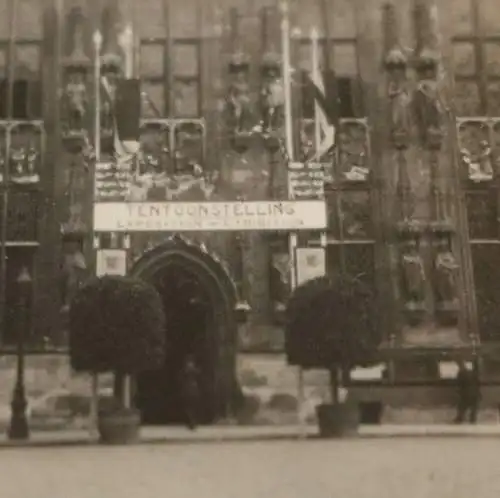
190,387
190,393
468,385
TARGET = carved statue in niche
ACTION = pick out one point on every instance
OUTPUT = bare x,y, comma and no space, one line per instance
25,155
17,160
74,272
33,161
76,101
479,168
152,164
396,66
238,99
400,97
25,166
76,64
446,268
428,106
110,72
413,272
272,94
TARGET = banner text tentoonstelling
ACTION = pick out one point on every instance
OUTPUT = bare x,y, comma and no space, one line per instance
218,216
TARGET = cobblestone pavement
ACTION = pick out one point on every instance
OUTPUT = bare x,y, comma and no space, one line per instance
359,468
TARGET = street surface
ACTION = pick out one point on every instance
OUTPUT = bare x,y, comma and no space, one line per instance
360,468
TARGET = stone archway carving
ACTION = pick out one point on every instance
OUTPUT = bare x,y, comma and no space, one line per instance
211,271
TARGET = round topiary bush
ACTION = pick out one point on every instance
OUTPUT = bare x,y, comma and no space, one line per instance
331,321
116,324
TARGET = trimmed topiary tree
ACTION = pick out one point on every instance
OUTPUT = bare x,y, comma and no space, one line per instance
330,323
116,324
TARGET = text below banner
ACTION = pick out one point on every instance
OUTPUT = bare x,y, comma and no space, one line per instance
209,216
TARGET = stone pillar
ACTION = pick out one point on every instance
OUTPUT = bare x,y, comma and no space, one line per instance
47,298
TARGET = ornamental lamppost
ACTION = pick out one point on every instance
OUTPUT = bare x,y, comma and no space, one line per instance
19,429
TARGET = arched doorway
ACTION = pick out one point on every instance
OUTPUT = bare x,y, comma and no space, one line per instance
199,300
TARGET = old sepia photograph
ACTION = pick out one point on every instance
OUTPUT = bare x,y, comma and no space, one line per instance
249,248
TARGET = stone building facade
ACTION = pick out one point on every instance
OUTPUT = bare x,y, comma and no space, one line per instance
412,190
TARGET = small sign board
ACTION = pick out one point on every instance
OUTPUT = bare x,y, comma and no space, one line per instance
112,181
306,180
111,262
311,263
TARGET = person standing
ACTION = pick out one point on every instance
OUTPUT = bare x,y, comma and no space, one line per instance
190,392
469,393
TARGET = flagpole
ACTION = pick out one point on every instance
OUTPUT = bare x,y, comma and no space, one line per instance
287,87
127,45
97,41
287,80
317,110
292,239
315,68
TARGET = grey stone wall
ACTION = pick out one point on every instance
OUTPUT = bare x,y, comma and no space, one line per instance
59,398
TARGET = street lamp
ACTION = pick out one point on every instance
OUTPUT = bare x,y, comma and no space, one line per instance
19,423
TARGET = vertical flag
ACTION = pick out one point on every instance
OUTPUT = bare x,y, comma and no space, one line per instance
325,109
125,101
128,97
127,116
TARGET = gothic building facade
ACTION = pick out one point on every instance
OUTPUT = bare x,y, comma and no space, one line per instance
411,187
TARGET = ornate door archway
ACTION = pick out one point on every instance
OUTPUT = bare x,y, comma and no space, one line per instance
178,256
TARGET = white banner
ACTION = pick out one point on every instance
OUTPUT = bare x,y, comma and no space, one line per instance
311,263
209,216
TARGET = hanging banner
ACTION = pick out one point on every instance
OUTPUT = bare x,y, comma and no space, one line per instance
111,262
311,263
209,216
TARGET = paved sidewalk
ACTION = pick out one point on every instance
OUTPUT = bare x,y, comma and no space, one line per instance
151,435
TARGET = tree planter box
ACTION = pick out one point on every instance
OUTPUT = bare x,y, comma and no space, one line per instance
121,427
341,420
371,412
